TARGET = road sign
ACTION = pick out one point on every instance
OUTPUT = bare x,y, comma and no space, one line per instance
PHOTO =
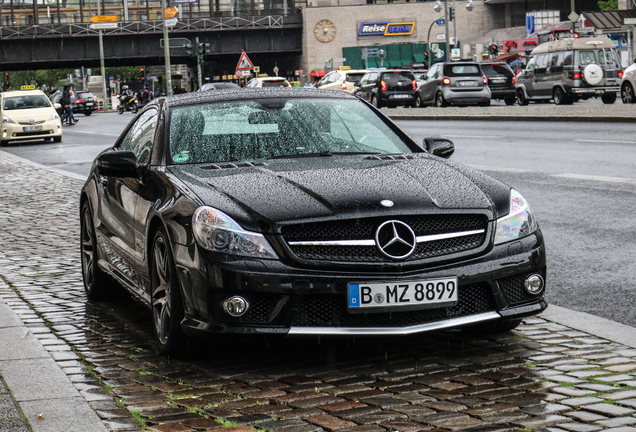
257,69
171,22
440,21
103,19
244,63
170,12
176,42
629,21
102,26
573,16
244,73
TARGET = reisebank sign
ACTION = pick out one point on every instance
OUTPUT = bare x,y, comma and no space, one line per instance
386,28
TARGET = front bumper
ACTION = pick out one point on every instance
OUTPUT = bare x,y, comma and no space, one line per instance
288,300
14,131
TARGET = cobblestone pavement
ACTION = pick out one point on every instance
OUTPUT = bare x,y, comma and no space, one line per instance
542,377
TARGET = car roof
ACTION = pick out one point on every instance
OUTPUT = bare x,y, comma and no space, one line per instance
592,42
23,93
248,94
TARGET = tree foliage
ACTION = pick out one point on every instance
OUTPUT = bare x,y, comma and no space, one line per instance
609,5
52,78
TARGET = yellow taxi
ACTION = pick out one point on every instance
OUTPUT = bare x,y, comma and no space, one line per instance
341,79
264,81
28,114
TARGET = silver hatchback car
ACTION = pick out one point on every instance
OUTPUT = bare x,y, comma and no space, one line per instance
456,83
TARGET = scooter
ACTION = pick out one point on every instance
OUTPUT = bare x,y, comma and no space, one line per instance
127,103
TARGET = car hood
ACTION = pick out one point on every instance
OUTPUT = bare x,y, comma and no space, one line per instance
25,115
286,190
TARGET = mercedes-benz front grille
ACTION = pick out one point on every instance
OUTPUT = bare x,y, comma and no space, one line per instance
354,240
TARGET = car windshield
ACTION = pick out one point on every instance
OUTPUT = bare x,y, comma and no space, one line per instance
250,130
25,102
275,83
85,95
452,70
354,77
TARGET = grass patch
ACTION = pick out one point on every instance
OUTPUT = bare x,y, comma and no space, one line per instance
141,420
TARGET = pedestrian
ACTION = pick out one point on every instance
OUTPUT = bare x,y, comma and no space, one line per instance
67,101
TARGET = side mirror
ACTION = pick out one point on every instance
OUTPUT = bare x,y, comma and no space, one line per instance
117,163
438,146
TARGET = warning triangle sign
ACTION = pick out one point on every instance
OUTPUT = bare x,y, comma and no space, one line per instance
244,63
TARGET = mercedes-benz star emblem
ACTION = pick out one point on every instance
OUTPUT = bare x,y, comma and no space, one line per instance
395,240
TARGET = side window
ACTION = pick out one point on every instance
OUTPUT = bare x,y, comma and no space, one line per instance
364,79
140,137
432,71
531,63
334,77
587,57
373,77
542,60
567,58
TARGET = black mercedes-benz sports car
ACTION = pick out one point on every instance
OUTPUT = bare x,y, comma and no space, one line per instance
302,212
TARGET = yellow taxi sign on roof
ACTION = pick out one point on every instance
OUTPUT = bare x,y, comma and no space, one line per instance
345,67
103,18
27,87
263,75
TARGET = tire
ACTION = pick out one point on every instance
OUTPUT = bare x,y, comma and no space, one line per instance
167,304
510,100
4,143
439,100
490,327
559,96
95,282
418,102
120,109
608,98
47,139
135,108
88,112
57,139
627,93
485,104
375,102
521,98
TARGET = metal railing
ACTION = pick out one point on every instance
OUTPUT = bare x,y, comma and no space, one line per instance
140,27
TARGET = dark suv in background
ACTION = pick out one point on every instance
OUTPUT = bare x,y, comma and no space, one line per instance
387,87
501,80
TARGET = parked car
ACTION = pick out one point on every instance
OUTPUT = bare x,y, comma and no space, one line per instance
387,87
628,84
264,81
344,78
501,81
302,212
454,83
568,70
27,115
219,86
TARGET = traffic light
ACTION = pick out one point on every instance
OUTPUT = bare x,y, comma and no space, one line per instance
192,49
204,49
451,13
143,75
7,83
495,50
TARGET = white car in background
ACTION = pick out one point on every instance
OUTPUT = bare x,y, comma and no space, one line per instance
628,84
27,115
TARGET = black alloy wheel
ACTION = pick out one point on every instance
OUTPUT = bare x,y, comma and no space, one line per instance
608,98
627,93
167,304
521,98
439,100
95,283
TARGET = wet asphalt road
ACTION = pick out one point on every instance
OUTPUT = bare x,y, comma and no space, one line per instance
578,176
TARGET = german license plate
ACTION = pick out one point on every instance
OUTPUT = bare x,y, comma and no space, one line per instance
466,83
441,292
31,128
89,103
499,80
401,96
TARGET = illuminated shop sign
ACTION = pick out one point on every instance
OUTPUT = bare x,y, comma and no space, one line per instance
386,29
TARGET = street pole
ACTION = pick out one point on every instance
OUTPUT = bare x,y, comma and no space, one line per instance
199,74
101,61
166,50
573,22
454,26
446,38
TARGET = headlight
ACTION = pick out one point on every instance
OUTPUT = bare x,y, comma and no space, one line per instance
217,232
520,222
6,119
54,116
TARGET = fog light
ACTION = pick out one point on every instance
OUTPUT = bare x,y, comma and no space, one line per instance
235,306
534,284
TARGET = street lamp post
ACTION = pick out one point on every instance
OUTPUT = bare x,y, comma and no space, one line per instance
438,7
